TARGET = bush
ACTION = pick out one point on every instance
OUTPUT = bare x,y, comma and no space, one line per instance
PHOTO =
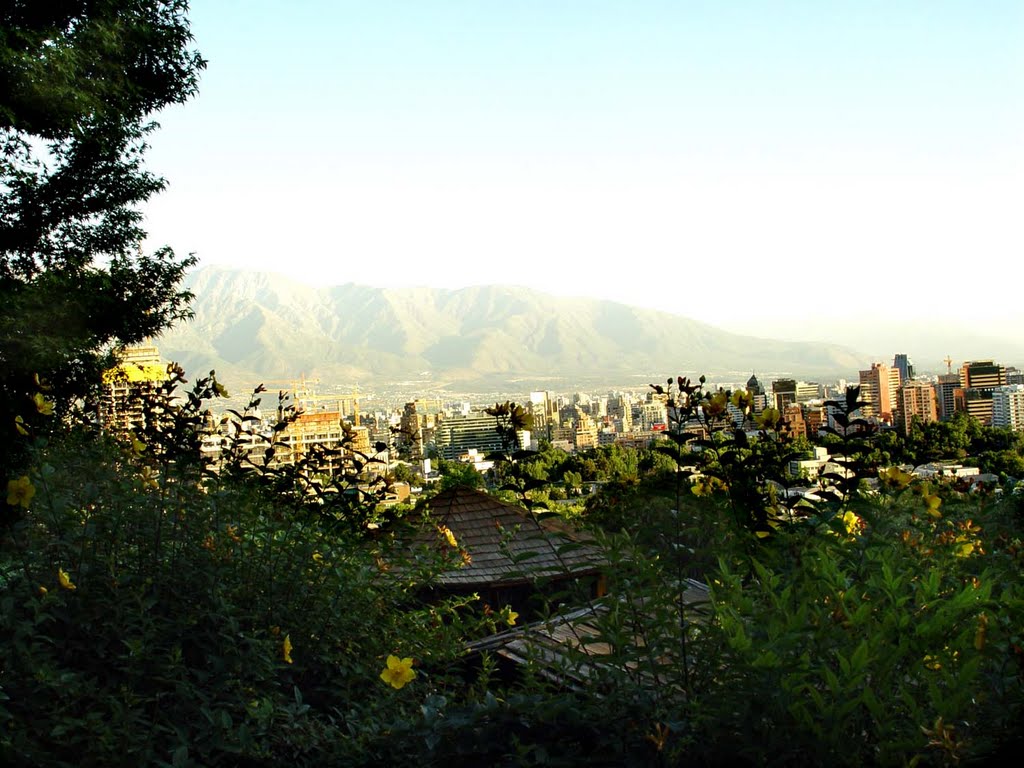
155,613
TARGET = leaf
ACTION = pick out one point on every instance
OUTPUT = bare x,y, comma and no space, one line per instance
180,757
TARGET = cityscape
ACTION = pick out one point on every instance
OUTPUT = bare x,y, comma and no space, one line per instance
390,428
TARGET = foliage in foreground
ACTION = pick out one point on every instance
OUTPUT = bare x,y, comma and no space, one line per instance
158,613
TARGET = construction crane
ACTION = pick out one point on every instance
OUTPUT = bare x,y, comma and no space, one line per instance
949,364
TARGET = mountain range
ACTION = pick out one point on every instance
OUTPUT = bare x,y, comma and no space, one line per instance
252,326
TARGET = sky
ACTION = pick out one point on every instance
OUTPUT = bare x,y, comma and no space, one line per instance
763,167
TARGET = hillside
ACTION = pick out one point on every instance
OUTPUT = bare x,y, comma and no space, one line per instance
255,324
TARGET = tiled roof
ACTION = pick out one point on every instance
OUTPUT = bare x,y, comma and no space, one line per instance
506,544
568,648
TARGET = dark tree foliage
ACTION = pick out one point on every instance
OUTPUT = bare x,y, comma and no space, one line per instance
79,82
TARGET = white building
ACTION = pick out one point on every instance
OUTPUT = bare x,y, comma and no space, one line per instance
1008,406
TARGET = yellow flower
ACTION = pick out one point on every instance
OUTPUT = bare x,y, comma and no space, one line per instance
895,477
509,616
43,590
43,405
398,672
137,445
964,550
741,399
20,492
768,418
706,486
286,649
19,424
65,580
932,663
715,405
851,521
317,557
445,531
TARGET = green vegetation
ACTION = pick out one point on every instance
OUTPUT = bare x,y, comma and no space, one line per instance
165,614
80,81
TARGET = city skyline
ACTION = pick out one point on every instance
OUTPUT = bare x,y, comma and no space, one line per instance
741,166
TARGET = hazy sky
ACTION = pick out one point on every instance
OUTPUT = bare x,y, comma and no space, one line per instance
748,164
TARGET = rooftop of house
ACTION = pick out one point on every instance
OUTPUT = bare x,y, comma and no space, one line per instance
569,648
506,544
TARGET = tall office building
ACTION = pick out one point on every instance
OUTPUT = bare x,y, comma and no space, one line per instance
916,400
456,435
783,393
980,374
906,368
620,411
788,391
418,421
945,394
544,410
978,379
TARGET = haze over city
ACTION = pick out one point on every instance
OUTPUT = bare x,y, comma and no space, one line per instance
799,170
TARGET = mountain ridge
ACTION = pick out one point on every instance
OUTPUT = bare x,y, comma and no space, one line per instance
253,325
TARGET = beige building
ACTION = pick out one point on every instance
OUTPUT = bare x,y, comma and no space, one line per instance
878,386
916,399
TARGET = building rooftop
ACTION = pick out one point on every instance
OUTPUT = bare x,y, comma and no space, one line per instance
507,544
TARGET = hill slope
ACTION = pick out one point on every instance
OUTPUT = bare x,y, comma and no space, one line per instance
251,325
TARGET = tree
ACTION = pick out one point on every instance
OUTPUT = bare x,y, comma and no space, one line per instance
79,82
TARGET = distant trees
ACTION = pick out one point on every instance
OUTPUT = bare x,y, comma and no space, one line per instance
79,81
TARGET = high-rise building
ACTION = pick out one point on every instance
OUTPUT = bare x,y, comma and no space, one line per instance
793,418
783,393
584,434
138,373
945,393
758,399
788,391
916,400
906,368
456,435
1008,407
878,386
544,410
981,374
418,421
651,414
815,418
978,379
754,386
